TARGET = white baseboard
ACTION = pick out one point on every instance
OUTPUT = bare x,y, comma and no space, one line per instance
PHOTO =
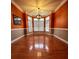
20,37
59,38
47,34
29,34
17,39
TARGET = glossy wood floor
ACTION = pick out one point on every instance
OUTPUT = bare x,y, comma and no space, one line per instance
39,47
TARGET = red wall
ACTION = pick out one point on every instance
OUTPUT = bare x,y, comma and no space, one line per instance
15,11
52,17
61,17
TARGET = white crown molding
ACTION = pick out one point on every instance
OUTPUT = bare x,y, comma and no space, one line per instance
17,6
62,3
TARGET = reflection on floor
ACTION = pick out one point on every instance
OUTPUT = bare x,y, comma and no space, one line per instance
39,47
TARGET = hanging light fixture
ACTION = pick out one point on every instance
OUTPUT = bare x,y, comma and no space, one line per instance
38,16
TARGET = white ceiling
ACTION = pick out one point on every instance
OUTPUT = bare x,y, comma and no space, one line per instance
31,6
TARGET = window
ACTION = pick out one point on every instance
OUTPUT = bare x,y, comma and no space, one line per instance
41,24
35,24
47,24
29,24
38,24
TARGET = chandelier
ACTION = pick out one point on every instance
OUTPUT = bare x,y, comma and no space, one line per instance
38,16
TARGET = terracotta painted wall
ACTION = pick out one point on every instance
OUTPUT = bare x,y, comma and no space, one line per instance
19,32
16,12
52,17
61,21
25,20
61,17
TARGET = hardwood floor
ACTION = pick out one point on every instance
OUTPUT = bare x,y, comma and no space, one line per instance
39,47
